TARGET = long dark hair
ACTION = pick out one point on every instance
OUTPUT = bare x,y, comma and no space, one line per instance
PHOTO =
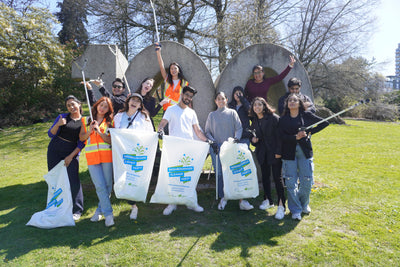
109,115
75,100
302,107
266,110
139,90
142,109
233,103
180,73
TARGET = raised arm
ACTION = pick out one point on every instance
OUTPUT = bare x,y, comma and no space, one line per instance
160,61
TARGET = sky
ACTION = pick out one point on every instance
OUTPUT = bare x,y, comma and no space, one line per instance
382,44
385,40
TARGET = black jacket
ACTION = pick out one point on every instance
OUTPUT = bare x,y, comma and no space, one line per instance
289,127
117,101
243,113
267,132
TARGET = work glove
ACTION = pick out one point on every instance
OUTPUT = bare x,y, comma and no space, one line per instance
160,134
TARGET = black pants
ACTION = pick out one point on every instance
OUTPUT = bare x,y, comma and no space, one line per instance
57,150
266,180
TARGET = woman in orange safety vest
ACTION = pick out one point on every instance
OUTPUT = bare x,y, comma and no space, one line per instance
98,155
174,80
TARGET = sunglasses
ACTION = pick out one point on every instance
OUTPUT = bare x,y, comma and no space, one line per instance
117,86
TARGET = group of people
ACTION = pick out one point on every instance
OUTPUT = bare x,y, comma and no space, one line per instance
282,147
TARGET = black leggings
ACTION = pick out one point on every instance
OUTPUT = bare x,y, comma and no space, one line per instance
266,180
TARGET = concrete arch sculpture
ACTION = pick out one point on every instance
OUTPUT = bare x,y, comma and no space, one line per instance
195,71
101,59
274,59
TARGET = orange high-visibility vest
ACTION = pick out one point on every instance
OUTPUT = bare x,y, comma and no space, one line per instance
97,151
173,94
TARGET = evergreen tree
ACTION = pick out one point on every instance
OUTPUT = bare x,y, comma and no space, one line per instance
73,18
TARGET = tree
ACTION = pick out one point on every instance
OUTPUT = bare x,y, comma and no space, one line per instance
326,31
30,59
73,19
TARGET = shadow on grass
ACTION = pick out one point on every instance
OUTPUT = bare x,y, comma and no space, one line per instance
234,228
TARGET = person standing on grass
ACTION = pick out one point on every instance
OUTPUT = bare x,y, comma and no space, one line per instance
118,96
294,86
242,106
268,150
134,116
297,153
174,80
182,122
98,155
149,102
65,145
259,85
220,125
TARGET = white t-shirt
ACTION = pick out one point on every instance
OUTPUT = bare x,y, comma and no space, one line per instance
121,120
181,121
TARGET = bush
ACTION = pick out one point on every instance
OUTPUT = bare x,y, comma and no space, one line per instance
381,112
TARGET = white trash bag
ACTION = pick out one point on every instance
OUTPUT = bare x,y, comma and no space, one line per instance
133,154
58,212
238,170
181,164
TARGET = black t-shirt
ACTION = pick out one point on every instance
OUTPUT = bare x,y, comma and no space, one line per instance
71,130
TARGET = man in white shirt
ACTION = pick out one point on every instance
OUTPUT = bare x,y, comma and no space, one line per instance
182,122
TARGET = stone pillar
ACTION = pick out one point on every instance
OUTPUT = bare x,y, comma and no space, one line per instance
195,71
101,59
274,59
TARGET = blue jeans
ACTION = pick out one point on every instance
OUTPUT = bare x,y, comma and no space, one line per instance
219,174
298,175
101,175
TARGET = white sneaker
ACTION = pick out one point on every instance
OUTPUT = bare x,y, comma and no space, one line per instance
134,212
222,204
296,216
76,216
307,210
196,208
245,205
96,217
280,213
265,205
169,209
109,220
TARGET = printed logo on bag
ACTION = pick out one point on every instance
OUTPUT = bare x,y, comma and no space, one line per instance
240,166
181,170
135,158
53,201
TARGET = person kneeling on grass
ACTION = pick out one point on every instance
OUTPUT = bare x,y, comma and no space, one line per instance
220,125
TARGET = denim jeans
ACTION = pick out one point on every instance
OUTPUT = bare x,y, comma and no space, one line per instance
101,175
219,175
298,175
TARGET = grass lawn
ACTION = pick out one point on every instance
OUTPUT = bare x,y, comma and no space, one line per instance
355,216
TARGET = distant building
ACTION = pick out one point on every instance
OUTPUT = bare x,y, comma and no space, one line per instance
392,83
396,79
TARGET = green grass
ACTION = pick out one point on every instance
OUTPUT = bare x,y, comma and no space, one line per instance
354,221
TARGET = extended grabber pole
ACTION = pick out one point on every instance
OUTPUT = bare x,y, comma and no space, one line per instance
155,21
336,114
84,85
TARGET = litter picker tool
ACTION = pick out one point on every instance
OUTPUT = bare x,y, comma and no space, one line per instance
155,21
84,84
120,67
216,175
335,115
